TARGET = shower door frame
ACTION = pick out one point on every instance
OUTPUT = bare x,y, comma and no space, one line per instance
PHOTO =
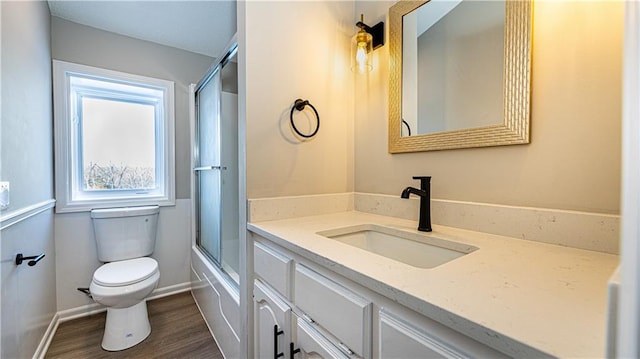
217,66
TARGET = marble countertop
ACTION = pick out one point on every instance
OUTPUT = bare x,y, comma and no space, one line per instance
524,298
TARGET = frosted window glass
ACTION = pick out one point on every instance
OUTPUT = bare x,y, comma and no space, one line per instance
118,145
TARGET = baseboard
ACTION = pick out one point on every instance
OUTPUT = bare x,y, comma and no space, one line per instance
79,312
42,348
95,308
170,290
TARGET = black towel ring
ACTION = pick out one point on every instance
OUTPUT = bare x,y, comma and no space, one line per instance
300,105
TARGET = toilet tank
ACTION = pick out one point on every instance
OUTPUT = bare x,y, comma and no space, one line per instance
125,233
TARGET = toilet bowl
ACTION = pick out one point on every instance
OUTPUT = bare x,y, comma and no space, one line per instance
122,287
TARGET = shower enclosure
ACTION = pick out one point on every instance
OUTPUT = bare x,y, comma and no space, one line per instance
217,205
216,165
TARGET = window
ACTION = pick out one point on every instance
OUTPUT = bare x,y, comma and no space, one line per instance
114,138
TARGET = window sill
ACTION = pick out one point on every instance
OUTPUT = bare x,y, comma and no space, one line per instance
86,206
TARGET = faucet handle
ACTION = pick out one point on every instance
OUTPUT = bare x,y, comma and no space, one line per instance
422,178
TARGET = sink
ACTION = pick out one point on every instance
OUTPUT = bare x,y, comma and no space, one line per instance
414,249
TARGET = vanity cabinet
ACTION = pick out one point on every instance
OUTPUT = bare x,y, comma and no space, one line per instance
324,315
320,319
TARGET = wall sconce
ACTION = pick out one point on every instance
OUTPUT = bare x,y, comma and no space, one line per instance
363,43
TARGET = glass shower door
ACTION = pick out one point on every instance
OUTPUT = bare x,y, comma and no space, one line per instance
208,169
216,150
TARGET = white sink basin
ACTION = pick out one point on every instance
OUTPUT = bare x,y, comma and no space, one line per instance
422,251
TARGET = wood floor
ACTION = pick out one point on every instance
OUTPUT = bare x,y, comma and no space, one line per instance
177,331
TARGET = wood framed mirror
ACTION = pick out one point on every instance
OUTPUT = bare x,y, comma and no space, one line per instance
463,80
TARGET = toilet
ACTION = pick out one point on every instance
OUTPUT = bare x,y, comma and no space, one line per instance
125,237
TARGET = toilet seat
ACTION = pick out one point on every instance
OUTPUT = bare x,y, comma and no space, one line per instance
122,273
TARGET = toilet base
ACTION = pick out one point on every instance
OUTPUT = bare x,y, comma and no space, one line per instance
126,327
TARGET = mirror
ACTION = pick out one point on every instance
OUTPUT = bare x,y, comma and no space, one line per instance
459,74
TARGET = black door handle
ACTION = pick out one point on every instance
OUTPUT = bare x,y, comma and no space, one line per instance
292,351
276,333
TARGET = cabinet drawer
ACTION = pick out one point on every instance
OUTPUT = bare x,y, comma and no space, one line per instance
400,339
273,267
343,313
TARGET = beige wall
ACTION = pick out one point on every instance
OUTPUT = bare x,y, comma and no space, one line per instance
573,161
298,50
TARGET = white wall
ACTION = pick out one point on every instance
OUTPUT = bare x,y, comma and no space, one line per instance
28,293
573,161
298,50
26,103
75,245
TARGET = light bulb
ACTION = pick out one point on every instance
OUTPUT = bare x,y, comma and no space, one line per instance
362,57
361,52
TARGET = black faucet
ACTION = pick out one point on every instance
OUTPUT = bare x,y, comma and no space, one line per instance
424,224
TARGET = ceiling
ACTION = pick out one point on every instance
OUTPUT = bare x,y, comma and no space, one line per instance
203,27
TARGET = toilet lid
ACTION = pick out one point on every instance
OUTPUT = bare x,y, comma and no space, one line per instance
125,272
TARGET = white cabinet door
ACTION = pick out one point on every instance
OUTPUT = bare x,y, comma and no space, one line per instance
310,344
272,320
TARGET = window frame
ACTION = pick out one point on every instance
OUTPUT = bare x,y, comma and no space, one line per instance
68,141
